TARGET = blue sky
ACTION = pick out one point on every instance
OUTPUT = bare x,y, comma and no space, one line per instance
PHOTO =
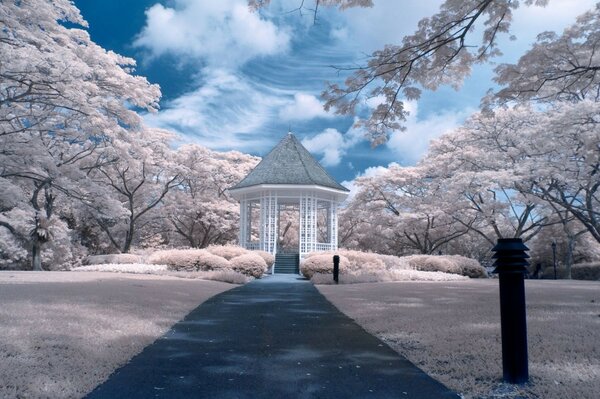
233,79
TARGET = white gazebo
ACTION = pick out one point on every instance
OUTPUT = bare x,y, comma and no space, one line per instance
289,178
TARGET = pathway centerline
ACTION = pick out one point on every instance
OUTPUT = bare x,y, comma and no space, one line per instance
276,337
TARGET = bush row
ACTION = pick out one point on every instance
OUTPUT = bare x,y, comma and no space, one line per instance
214,258
226,276
386,266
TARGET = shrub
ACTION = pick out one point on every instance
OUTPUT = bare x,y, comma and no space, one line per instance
227,251
226,276
386,276
454,264
250,264
177,259
322,263
207,262
395,262
586,271
112,258
469,267
135,268
365,264
267,257
433,263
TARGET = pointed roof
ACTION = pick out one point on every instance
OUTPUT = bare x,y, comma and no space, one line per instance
289,163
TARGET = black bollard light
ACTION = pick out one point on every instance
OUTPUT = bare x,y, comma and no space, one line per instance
553,245
511,266
336,268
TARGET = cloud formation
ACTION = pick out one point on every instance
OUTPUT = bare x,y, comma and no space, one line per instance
410,145
224,113
332,144
303,107
222,33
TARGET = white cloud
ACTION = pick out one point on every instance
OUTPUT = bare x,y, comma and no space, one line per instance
528,22
332,144
410,145
369,172
222,33
385,23
329,143
303,107
223,114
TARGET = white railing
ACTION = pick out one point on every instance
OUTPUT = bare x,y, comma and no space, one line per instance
320,246
253,246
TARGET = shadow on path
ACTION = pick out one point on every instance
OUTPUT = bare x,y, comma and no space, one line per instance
277,337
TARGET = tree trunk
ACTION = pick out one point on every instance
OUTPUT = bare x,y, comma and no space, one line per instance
569,256
36,255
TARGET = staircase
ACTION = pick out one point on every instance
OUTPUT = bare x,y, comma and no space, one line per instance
287,263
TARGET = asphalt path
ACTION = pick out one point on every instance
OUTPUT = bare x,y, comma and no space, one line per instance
277,337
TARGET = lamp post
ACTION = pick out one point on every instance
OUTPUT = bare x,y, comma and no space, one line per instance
511,266
336,268
553,245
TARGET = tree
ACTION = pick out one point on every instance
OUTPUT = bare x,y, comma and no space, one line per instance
141,175
402,206
200,210
557,68
476,164
440,52
63,99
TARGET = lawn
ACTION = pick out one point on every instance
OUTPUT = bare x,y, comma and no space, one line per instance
452,331
62,333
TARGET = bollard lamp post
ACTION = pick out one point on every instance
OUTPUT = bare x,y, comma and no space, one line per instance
553,245
511,266
336,268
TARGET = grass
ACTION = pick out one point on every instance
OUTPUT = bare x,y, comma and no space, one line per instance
452,331
63,333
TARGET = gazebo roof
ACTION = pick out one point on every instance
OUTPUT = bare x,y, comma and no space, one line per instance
289,163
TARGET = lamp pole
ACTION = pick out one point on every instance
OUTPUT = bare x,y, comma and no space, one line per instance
511,266
554,257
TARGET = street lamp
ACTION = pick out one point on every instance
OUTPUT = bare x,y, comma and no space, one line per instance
553,245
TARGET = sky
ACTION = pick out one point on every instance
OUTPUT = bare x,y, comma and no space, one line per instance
233,79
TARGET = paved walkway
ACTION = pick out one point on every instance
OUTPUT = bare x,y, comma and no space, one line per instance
276,337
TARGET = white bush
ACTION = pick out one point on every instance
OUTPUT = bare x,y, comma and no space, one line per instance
432,263
112,258
454,264
178,259
226,276
386,276
371,266
227,251
267,257
207,261
135,268
250,264
322,263
469,267
395,262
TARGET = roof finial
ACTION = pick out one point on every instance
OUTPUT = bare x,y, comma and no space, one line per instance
289,128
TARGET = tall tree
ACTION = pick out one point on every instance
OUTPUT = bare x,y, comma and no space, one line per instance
62,98
200,210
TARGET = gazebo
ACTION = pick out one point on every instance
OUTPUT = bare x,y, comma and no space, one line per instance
289,178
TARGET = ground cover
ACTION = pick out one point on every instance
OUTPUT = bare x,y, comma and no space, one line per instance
452,331
62,333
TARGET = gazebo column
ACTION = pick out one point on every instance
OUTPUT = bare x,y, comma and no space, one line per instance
268,222
244,223
333,225
308,223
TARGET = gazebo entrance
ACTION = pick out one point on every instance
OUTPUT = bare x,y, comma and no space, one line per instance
289,181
